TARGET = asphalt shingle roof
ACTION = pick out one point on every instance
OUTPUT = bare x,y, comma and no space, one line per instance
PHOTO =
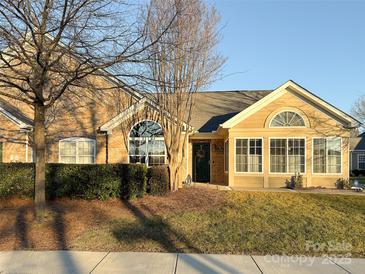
358,143
214,108
210,110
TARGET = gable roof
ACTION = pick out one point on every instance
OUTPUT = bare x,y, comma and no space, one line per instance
125,114
212,109
15,115
358,143
342,117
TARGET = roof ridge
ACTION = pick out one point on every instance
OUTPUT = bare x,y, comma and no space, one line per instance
237,90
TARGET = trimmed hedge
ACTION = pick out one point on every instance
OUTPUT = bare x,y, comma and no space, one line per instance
17,180
76,181
158,180
82,181
134,181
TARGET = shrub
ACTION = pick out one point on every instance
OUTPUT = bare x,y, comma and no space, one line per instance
355,172
83,181
134,181
17,179
158,182
295,181
76,181
343,184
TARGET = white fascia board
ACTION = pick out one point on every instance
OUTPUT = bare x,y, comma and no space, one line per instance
111,124
15,120
256,106
278,93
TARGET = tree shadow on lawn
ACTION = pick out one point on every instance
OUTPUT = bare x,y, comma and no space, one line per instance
154,228
26,224
22,227
29,235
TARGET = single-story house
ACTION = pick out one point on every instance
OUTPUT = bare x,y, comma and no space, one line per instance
241,138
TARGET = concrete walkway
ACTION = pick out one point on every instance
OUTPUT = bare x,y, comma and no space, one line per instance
62,262
282,189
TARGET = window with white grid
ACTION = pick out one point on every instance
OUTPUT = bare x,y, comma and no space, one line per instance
147,144
327,156
287,155
361,162
77,151
248,155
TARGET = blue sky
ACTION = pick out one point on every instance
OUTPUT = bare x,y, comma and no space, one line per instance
318,44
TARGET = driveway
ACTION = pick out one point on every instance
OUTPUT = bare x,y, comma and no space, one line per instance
57,262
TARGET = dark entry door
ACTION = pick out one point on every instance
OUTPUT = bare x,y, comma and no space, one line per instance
201,162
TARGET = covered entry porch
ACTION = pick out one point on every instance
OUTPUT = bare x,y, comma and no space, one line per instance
206,159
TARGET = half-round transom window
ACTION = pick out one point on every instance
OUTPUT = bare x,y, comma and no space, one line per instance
147,144
287,119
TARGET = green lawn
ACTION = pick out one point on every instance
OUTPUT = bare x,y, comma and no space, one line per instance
243,222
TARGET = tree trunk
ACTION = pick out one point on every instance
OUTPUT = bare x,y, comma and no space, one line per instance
40,162
174,172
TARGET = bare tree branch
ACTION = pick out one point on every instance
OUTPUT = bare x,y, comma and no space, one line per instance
183,61
49,47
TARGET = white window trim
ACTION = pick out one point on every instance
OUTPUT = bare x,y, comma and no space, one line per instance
358,160
76,139
287,150
146,139
326,174
235,155
294,127
224,156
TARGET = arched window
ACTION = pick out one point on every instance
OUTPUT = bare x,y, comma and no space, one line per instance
287,119
77,151
147,144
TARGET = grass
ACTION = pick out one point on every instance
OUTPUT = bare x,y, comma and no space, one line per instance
194,220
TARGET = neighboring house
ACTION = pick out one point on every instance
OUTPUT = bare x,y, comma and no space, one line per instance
240,138
357,153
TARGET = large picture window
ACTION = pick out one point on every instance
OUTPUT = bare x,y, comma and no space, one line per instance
287,155
77,151
146,144
248,155
327,155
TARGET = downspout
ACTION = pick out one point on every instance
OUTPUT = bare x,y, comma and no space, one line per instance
106,148
187,156
26,146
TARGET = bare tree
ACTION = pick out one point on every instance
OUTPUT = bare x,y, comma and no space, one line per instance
52,47
358,110
184,61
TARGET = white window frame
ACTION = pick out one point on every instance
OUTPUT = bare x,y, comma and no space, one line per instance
77,140
248,160
226,154
147,140
305,124
287,155
147,150
326,173
358,161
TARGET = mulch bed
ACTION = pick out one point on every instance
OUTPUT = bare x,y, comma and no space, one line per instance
67,219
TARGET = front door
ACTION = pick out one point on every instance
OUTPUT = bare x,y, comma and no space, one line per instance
201,162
